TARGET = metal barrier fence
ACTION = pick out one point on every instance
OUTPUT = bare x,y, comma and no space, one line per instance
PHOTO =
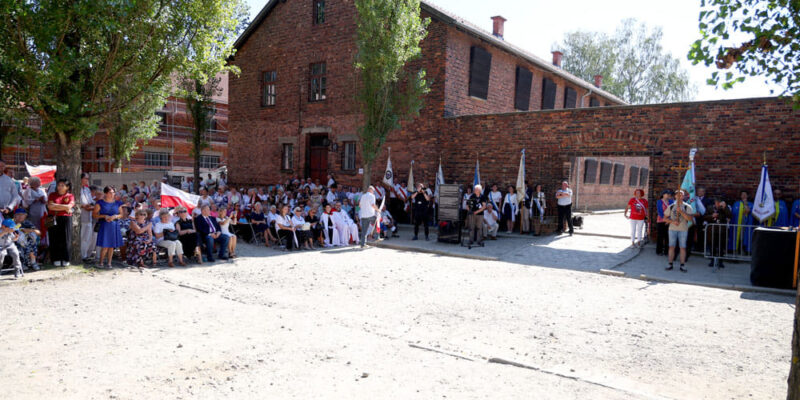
729,241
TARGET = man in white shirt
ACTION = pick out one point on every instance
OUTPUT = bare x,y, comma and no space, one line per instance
564,197
87,223
367,212
9,195
332,195
491,222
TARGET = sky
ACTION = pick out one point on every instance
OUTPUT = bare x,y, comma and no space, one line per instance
536,25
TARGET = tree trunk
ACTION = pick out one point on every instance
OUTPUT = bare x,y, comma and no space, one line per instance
68,162
367,178
794,371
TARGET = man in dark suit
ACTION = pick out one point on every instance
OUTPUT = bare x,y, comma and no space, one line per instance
210,232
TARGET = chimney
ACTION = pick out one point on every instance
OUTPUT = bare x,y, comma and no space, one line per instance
557,58
497,26
598,81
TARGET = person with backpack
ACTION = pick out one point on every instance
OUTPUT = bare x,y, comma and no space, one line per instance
678,216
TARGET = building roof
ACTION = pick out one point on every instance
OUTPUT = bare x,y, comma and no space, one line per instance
468,27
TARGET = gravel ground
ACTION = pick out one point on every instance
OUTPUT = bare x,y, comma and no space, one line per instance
381,323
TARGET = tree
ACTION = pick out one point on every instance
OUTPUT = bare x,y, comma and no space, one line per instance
752,37
75,64
633,63
755,38
388,36
131,127
199,99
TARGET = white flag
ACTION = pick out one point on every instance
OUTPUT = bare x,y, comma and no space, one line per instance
521,178
388,177
439,181
764,203
411,188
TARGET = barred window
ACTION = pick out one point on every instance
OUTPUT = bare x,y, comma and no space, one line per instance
286,157
268,88
349,162
318,82
209,161
156,159
100,152
319,12
162,117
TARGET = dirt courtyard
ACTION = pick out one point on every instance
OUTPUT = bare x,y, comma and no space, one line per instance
386,324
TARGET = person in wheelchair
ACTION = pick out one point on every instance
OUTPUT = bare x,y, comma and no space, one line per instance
28,242
8,247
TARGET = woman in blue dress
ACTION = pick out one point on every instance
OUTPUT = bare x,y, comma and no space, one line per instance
108,212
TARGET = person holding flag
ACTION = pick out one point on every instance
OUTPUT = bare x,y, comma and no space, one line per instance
764,204
781,217
420,201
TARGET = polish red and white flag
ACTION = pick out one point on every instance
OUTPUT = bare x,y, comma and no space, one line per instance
172,197
45,173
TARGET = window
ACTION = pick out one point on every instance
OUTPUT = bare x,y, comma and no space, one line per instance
286,157
590,171
20,158
318,82
212,124
619,173
570,97
349,156
605,172
522,96
319,11
100,153
268,92
162,117
548,94
480,65
156,159
643,175
208,161
593,102
634,178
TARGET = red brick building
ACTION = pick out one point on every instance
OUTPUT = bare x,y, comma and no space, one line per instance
168,151
293,113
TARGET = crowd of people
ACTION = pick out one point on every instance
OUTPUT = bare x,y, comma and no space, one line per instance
129,223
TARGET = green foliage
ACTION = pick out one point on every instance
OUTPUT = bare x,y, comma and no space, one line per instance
633,63
755,38
131,127
388,36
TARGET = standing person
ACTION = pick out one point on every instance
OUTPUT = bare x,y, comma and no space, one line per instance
60,203
87,222
564,199
107,212
717,216
662,228
9,195
367,212
420,200
510,206
781,216
638,207
538,207
740,233
700,228
495,198
167,237
678,216
477,203
34,198
525,213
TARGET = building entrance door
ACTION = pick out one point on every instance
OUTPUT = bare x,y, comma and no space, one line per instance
318,157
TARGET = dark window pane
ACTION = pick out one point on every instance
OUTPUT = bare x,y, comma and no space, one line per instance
548,94
570,97
318,82
594,102
480,65
319,11
590,172
643,176
605,172
634,178
522,95
619,173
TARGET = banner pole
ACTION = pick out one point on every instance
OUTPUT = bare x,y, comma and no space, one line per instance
796,256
